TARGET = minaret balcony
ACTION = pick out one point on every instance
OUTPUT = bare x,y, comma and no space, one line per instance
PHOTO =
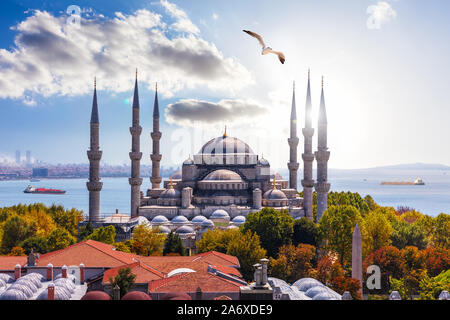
94,185
308,157
322,187
293,165
94,154
293,141
308,132
155,157
135,155
135,181
136,130
307,183
322,155
156,135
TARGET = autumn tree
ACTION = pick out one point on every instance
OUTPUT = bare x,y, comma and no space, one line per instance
15,230
293,262
247,248
327,269
217,240
435,260
17,251
103,234
377,231
440,237
151,240
59,239
336,227
275,228
340,284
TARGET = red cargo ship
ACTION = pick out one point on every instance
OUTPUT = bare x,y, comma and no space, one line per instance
31,189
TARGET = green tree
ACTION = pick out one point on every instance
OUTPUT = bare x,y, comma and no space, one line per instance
151,240
377,231
103,234
38,244
67,219
217,240
121,246
305,231
336,227
15,230
59,239
431,287
173,244
408,234
275,228
441,231
125,279
248,250
85,231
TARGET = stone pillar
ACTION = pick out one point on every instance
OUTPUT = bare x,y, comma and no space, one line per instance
82,275
51,291
64,271
357,256
17,271
186,197
49,272
94,185
257,198
156,136
135,156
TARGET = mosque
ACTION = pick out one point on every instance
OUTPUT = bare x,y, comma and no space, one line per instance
218,186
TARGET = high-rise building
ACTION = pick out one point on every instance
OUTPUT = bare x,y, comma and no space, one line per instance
18,156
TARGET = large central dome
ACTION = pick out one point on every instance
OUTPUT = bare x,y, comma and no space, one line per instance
226,145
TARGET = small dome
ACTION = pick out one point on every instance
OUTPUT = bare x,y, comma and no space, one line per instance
179,220
222,175
96,295
176,295
6,277
326,296
184,230
159,219
60,294
232,227
313,291
220,214
263,162
163,229
276,175
136,295
13,294
24,288
306,283
274,194
178,271
2,283
170,193
198,219
207,224
239,220
188,162
27,283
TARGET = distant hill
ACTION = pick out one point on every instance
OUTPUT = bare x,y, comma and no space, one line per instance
411,166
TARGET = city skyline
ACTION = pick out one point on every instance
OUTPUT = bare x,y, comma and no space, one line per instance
400,90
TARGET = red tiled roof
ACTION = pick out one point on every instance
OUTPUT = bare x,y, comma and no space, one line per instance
91,253
9,262
143,273
214,257
227,270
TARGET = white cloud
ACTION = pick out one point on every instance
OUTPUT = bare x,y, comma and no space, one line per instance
50,57
183,23
380,13
215,16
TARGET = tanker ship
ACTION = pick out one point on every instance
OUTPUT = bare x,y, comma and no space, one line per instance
31,189
417,182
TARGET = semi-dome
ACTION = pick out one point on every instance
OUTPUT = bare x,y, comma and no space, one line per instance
274,194
136,295
184,230
159,219
225,145
223,175
179,220
239,220
198,219
96,295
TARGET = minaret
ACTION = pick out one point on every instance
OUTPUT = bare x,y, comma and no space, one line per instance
293,143
135,155
94,185
156,136
308,157
322,155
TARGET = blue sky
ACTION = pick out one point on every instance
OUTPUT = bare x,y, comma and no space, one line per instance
385,65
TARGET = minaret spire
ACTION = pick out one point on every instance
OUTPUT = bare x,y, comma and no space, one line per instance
308,156
135,154
94,185
293,143
155,179
322,155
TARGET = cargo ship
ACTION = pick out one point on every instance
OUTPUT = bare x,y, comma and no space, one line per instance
417,182
31,189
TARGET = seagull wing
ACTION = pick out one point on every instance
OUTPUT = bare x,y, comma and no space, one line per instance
257,36
279,54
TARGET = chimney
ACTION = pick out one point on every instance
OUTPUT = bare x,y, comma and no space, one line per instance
64,271
17,272
82,273
51,291
264,263
49,272
116,292
198,294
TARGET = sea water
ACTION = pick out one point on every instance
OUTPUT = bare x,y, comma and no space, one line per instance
431,198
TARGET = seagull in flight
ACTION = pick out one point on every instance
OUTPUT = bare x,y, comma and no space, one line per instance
266,50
